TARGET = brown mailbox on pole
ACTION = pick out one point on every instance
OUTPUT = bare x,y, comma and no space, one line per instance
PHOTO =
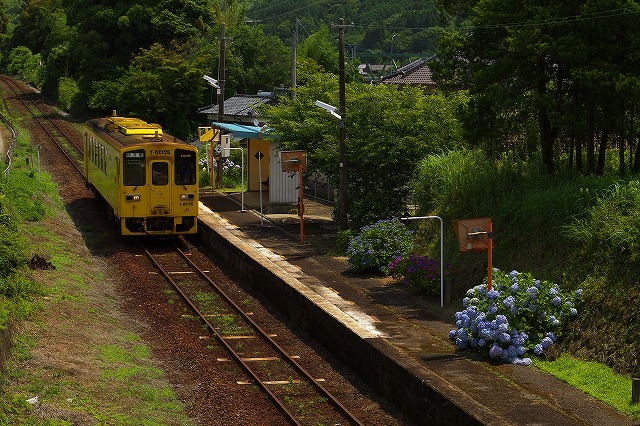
296,161
477,235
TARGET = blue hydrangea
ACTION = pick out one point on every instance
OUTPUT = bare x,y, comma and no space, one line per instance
538,349
495,351
490,319
505,337
493,294
508,301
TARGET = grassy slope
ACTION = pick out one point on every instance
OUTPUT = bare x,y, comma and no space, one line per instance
74,358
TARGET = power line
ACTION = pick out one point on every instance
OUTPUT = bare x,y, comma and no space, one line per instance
284,13
612,13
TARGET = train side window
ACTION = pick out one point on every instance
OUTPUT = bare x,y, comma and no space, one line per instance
133,168
185,167
160,173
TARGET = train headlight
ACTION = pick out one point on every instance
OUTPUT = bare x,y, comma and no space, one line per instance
134,197
185,197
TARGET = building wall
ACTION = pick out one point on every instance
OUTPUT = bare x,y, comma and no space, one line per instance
283,186
253,168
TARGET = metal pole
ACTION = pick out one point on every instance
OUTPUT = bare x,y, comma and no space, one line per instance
260,177
221,78
441,251
241,176
490,256
301,202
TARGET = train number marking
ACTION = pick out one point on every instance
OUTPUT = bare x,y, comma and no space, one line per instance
159,151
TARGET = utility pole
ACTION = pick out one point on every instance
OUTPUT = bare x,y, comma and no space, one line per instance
221,77
294,60
342,129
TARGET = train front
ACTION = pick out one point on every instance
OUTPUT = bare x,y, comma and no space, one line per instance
159,189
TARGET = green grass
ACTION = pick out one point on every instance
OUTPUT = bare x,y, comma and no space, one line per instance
595,379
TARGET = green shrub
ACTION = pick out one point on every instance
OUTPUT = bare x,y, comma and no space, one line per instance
419,272
376,245
612,224
343,238
67,89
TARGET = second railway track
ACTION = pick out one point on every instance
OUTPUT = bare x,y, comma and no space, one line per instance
297,394
70,145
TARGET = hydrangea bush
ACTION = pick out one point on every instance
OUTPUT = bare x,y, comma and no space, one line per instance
376,245
519,315
417,271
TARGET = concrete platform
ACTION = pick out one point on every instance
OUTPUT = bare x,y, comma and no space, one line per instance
397,342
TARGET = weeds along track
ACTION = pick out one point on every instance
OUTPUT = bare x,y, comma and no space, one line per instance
70,146
299,396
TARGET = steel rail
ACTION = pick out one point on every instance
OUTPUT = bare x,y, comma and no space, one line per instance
265,336
210,326
273,343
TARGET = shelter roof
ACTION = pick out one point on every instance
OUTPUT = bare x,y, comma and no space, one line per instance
241,131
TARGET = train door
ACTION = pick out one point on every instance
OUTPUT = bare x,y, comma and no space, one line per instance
160,189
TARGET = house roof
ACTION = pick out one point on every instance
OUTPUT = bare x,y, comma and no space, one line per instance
416,73
240,105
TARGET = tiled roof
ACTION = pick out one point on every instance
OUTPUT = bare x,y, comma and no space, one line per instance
239,105
416,73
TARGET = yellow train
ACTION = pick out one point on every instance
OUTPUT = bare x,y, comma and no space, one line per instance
148,178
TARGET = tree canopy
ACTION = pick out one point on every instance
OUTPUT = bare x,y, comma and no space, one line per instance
388,132
562,73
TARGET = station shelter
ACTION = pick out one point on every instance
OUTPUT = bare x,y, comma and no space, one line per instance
242,122
262,163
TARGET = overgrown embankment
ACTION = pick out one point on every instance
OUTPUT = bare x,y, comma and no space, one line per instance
579,231
22,196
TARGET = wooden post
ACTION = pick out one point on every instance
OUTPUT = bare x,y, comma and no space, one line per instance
635,390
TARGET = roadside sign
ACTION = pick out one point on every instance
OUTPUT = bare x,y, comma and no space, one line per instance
259,155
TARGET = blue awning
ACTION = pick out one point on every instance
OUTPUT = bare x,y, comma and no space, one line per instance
240,131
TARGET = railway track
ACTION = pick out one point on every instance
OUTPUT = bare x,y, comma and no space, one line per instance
70,146
269,366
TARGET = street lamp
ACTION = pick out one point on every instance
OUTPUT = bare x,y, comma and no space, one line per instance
212,82
343,170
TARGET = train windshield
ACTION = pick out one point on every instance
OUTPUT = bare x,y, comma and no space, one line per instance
185,167
160,173
133,169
